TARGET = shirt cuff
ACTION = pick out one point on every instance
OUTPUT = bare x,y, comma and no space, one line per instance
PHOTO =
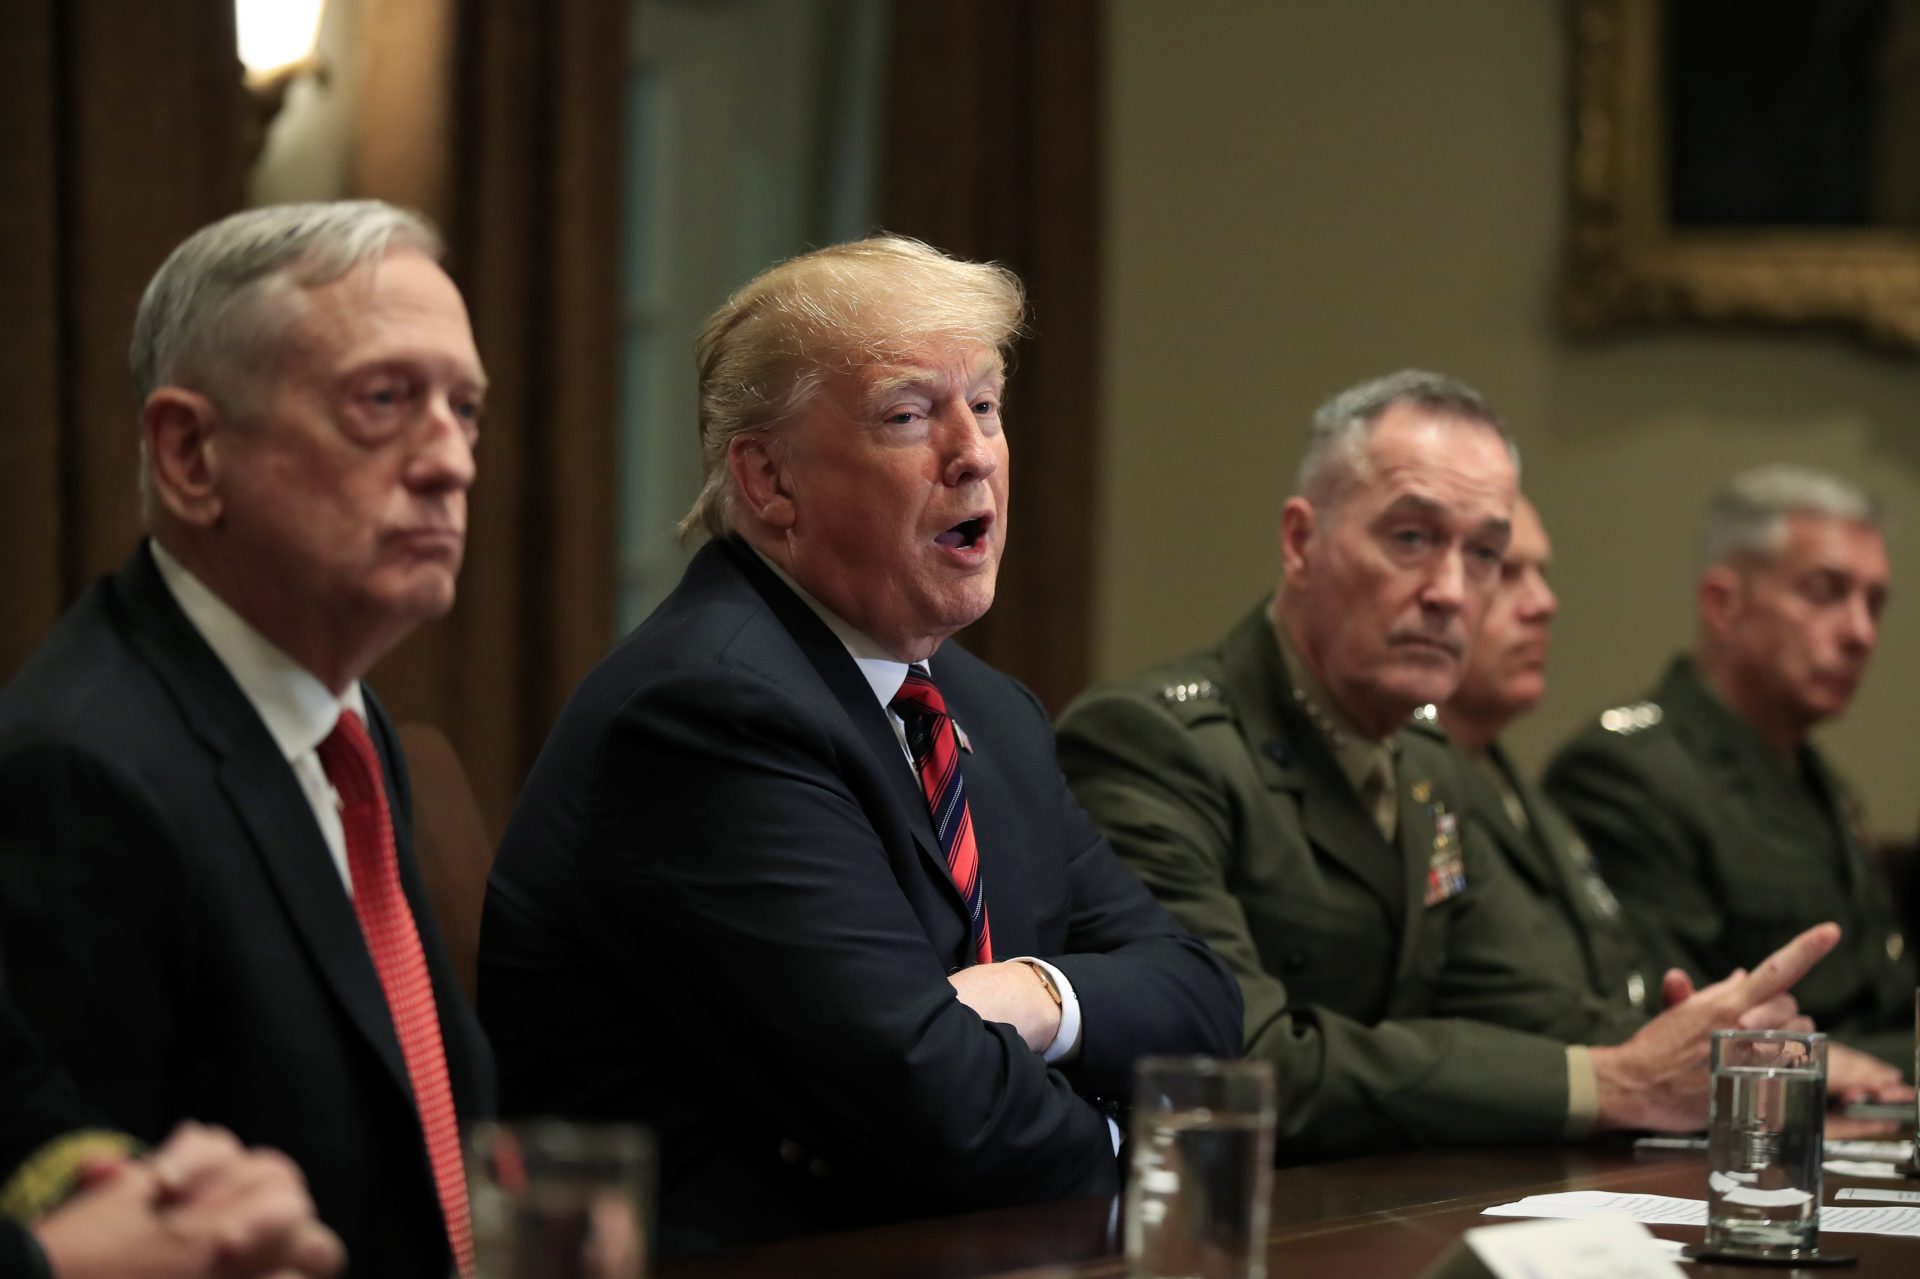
1583,1093
1066,1040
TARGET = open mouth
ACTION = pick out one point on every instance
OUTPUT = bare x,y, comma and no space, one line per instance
964,535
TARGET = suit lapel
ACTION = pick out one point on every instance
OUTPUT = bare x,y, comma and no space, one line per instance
1853,853
1414,843
265,798
1528,855
853,696
1293,756
269,802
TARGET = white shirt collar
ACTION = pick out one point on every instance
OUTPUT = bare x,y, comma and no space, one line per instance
298,710
884,672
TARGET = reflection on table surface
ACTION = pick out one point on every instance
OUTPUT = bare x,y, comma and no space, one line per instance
1383,1216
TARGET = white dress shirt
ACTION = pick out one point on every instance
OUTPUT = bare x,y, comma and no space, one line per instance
298,710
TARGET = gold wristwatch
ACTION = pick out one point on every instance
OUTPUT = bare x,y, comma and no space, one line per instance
1046,979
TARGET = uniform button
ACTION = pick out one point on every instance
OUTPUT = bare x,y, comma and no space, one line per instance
1896,946
1636,990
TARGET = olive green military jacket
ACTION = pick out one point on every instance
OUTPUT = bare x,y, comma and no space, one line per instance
1594,947
1391,1022
1720,855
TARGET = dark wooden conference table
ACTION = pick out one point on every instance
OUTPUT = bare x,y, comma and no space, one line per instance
1390,1215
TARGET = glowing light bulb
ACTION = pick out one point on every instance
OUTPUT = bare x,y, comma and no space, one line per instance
276,33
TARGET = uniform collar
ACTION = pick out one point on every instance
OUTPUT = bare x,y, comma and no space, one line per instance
1358,755
1731,741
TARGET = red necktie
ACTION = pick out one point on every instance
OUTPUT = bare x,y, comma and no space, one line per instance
394,942
936,757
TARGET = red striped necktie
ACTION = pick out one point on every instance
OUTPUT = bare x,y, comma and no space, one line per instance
394,942
936,757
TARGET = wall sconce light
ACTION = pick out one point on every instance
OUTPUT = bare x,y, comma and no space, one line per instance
277,40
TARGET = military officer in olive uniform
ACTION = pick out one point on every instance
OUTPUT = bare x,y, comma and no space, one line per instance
1505,678
1714,819
1265,793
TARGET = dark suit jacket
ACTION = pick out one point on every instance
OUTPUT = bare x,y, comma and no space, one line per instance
38,1105
176,932
720,909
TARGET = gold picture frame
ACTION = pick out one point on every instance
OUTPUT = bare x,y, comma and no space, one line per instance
1630,267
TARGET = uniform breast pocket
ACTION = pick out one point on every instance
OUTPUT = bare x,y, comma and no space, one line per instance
1339,960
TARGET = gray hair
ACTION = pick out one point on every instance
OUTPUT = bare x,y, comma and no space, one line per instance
1747,517
219,306
1336,448
767,350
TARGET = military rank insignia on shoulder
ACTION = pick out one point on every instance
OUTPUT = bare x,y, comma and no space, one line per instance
1631,718
1199,690
1425,721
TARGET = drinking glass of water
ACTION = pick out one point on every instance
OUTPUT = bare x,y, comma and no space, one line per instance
556,1200
1202,1169
1764,1135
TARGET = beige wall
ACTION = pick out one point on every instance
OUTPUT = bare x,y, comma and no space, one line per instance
1303,194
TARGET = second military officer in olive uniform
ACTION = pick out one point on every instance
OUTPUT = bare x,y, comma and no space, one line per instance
1714,819
1506,676
1265,794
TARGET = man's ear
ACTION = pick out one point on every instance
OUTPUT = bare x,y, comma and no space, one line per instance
182,433
1299,528
1721,593
760,479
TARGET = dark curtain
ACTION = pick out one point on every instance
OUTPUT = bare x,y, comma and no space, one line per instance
993,152
121,131
501,118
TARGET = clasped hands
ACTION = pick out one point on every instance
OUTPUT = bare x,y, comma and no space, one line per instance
199,1205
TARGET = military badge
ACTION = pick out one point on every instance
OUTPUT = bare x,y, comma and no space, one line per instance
1446,868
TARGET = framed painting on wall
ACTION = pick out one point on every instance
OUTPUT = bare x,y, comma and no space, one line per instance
1747,161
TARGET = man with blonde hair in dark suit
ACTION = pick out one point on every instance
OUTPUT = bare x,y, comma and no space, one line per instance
796,879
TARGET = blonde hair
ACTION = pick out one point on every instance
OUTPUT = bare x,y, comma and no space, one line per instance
765,352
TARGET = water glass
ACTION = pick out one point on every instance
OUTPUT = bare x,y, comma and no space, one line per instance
1764,1135
1202,1169
558,1200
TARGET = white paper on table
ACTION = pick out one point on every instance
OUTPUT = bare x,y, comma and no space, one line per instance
1667,1210
1894,1151
1865,1168
1589,1248
1652,1210
1872,1221
1875,1193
